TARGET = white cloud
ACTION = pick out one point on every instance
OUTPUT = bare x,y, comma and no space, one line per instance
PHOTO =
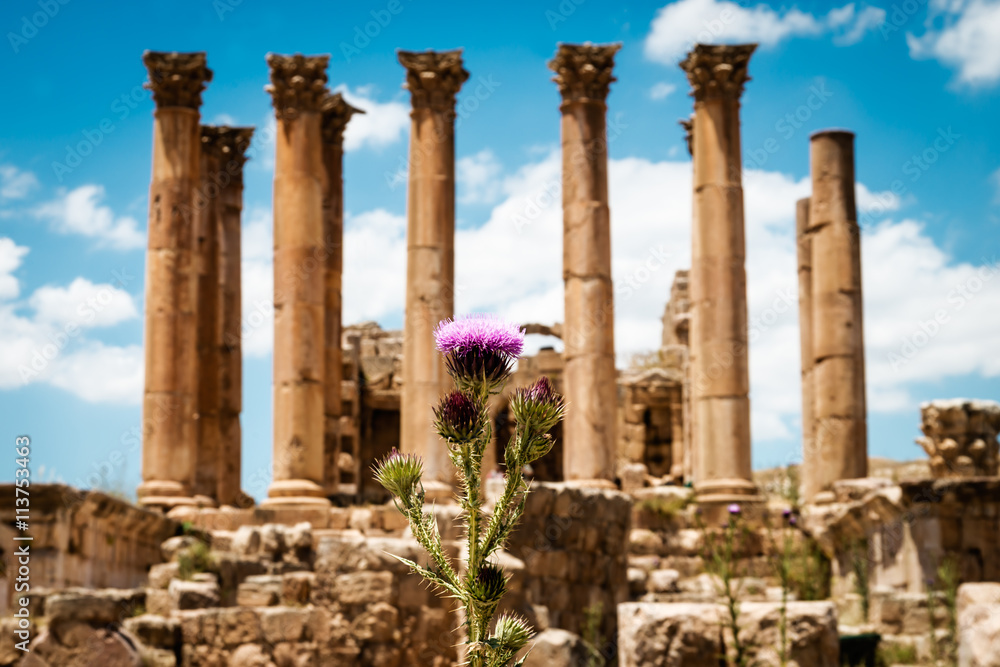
968,39
10,259
374,266
661,90
257,282
100,373
14,183
478,178
381,124
50,348
679,25
84,304
79,211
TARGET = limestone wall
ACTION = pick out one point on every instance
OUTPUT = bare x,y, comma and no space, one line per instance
81,538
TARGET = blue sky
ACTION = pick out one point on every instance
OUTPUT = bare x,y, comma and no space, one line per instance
918,82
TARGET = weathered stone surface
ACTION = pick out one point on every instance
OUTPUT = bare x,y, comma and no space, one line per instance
250,655
556,648
960,437
812,632
194,594
161,574
154,631
979,625
668,635
260,591
96,607
81,645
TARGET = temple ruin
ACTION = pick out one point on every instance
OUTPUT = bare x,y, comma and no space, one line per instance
610,560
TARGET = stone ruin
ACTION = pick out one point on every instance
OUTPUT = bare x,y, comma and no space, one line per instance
610,561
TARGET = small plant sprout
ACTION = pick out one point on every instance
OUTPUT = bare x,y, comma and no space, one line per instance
479,353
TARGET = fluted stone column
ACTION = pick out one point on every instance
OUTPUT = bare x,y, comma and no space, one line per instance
719,375
298,87
336,113
433,79
584,75
840,443
234,142
170,345
207,205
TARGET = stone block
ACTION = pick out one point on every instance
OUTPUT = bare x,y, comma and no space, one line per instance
363,587
260,591
556,648
154,631
668,635
296,588
284,624
161,574
194,594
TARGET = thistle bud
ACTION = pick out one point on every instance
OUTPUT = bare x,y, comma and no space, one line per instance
538,405
399,474
458,418
489,584
511,633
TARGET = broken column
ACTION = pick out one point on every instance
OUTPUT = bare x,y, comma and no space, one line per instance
839,433
584,75
433,79
207,207
718,332
298,88
168,410
234,142
960,437
336,113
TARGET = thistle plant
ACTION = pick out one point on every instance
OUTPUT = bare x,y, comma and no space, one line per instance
479,353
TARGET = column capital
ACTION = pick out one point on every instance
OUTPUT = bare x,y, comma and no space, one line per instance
176,79
717,71
233,143
584,71
336,113
298,83
688,125
433,77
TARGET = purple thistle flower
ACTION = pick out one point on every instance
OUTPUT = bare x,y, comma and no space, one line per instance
734,509
479,333
479,350
793,520
786,513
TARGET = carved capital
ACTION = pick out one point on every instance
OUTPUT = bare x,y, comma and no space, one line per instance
298,83
232,144
433,78
336,113
584,71
688,125
716,70
176,79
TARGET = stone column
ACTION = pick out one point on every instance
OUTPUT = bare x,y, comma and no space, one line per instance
168,410
433,79
719,376
336,113
234,143
298,87
840,440
209,322
584,74
804,255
